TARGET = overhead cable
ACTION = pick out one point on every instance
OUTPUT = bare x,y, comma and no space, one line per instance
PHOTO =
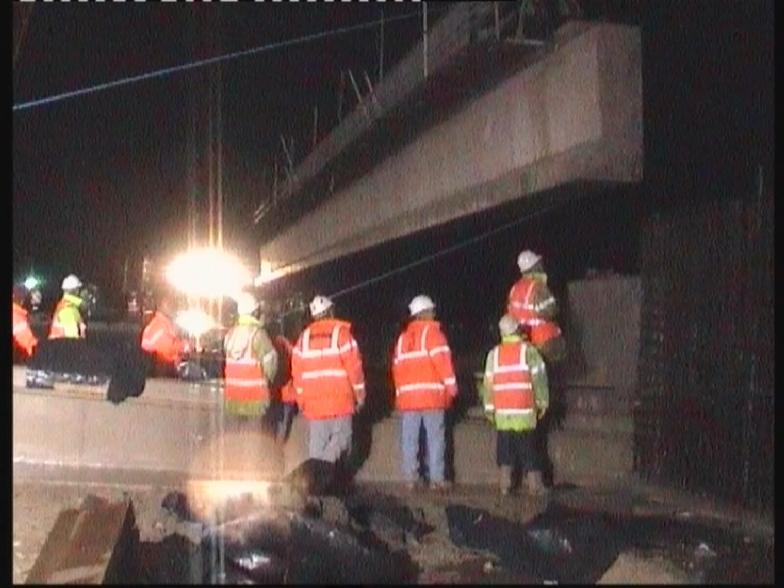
203,62
440,253
446,251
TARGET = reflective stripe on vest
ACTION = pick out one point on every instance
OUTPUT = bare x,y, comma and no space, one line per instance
511,387
324,387
526,309
244,379
57,329
330,351
420,353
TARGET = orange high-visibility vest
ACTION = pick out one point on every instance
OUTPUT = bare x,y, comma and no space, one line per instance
160,337
511,389
422,368
22,334
521,306
285,350
327,371
244,378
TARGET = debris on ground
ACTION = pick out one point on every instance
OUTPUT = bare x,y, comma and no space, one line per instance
375,533
630,568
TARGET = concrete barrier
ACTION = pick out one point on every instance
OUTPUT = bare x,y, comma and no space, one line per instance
174,427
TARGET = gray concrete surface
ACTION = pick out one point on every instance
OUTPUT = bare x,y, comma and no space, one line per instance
574,116
603,331
174,427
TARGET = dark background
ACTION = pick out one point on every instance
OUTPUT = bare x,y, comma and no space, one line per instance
104,175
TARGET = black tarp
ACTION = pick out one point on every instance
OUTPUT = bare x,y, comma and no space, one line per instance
85,361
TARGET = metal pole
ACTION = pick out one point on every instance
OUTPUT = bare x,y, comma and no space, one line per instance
341,86
220,178
210,195
497,22
424,36
359,95
219,195
381,50
752,218
315,125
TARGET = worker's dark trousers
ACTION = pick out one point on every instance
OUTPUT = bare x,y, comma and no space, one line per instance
518,450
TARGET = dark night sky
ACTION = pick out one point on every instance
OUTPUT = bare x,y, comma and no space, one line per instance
99,176
103,175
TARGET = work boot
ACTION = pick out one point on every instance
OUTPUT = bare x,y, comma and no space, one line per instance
505,480
535,485
441,487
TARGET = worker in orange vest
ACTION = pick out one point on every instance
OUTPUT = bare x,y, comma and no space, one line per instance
425,387
329,382
67,320
164,340
516,398
533,305
251,363
284,390
23,336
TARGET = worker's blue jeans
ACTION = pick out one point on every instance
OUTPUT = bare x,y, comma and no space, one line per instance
435,442
329,439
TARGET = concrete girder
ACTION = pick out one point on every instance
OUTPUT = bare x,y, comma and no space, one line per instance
573,117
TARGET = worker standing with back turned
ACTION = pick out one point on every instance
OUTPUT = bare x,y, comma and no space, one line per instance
22,334
251,363
533,305
164,340
425,388
515,397
67,320
329,382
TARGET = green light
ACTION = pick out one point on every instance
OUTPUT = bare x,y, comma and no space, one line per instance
31,282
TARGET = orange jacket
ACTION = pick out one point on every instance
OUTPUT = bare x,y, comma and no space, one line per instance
422,368
22,334
285,350
522,304
160,337
326,368
510,387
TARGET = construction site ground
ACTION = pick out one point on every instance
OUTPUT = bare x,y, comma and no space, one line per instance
37,501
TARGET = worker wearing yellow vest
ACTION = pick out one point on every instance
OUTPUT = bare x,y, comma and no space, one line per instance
329,382
425,387
67,320
22,334
516,396
533,305
251,363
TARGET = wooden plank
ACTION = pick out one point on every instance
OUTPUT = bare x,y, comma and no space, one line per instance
93,544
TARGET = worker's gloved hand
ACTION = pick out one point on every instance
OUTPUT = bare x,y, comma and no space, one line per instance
360,405
490,416
541,411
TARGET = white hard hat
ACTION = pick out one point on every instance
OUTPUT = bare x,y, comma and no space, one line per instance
246,303
508,325
527,259
421,303
71,283
319,305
